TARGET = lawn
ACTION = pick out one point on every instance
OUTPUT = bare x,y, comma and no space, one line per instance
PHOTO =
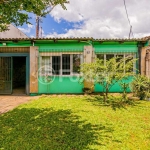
76,123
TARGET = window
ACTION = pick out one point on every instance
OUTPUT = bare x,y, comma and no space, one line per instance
107,57
56,65
45,70
76,63
129,60
119,57
100,56
65,64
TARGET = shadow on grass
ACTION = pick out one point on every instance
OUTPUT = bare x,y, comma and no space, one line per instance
113,102
48,129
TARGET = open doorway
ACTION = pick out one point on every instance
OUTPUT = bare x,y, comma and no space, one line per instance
19,76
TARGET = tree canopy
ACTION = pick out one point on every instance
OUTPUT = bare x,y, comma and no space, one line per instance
17,11
108,73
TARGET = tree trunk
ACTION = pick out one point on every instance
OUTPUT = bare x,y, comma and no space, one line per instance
106,95
104,98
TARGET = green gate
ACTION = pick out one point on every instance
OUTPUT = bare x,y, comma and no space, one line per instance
5,75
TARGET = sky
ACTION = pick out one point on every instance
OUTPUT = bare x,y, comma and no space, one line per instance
94,18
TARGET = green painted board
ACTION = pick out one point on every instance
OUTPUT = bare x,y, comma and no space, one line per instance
61,85
115,88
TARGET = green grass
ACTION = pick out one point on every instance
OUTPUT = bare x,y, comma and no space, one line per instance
76,123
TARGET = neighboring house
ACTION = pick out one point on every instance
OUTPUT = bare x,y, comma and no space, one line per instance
13,32
50,65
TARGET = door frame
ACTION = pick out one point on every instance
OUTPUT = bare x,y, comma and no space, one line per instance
27,66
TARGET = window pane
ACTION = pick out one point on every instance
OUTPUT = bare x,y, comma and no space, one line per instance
119,57
56,65
45,67
120,63
100,56
76,63
109,56
128,63
66,64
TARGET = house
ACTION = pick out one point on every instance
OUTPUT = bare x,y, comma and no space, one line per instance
50,65
13,32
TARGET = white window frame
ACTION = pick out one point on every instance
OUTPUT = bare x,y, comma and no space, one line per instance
81,61
124,54
60,54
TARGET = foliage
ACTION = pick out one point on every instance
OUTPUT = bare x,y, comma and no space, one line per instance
60,122
124,86
109,73
16,11
140,86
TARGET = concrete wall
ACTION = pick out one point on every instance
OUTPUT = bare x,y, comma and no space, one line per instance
145,61
88,58
33,69
13,32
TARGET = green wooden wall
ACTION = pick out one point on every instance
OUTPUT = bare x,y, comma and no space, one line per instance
112,48
61,85
66,85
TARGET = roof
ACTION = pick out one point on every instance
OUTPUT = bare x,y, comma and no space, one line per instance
30,39
146,38
13,32
77,38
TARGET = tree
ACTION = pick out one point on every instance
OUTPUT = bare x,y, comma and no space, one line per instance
16,11
108,73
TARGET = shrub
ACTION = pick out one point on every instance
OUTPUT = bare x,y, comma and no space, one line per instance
140,86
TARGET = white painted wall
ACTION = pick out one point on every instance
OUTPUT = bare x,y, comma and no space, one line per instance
13,32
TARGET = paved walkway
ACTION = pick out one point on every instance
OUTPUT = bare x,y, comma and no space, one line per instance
10,102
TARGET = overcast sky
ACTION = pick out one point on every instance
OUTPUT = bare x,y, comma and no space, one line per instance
95,18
